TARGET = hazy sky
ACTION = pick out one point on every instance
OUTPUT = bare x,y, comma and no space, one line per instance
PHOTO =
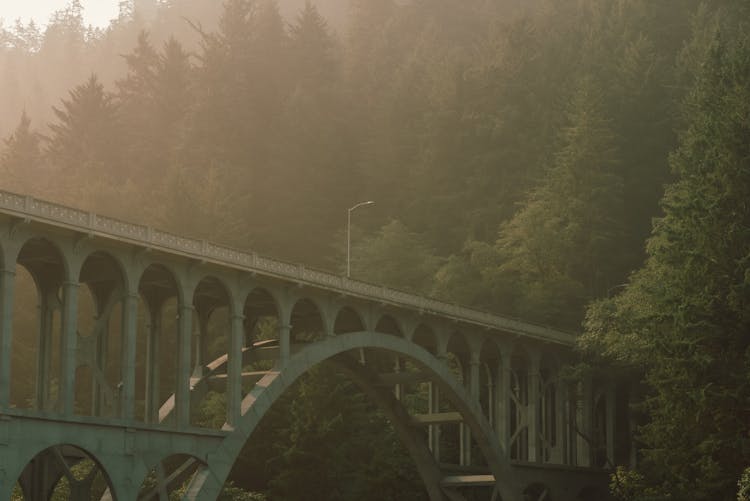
96,12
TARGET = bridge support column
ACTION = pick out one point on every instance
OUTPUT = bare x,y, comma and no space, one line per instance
433,430
473,387
48,301
69,343
610,412
234,370
584,415
200,335
7,281
502,412
533,407
182,393
285,344
129,335
152,364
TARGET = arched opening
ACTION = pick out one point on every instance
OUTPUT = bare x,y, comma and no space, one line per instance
156,365
37,332
261,340
307,322
344,350
25,341
388,325
424,336
211,332
99,337
63,472
169,478
347,320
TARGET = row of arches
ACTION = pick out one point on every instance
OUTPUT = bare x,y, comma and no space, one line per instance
66,471
125,334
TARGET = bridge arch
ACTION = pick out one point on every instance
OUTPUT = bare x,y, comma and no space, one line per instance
308,320
209,480
63,467
348,319
387,324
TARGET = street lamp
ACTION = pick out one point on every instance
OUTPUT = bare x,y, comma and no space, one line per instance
349,235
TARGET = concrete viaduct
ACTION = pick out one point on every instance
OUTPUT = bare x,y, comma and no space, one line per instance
112,335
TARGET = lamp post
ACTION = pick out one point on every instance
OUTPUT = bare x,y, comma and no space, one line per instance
349,235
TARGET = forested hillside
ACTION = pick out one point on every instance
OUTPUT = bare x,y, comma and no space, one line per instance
532,158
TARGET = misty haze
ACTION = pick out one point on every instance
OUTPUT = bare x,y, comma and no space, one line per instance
376,250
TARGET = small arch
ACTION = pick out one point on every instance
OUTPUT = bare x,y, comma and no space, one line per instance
25,351
388,325
262,314
348,320
46,265
167,476
157,340
211,332
307,322
100,318
44,259
65,472
425,337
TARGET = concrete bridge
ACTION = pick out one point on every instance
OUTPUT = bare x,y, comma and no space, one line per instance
113,334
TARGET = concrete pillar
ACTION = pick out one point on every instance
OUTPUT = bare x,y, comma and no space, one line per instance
153,342
502,413
200,335
7,282
398,389
234,370
47,300
285,343
129,337
610,411
563,437
584,416
472,374
69,344
434,399
532,414
101,340
558,452
182,392
433,430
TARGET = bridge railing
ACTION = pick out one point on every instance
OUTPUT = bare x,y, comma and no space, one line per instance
27,207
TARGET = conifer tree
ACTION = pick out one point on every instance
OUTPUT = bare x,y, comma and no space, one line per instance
684,318
561,247
21,156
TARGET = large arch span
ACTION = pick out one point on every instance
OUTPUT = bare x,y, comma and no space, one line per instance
208,482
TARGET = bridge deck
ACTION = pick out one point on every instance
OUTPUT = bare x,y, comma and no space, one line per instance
89,223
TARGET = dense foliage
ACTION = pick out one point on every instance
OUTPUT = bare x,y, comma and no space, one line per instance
517,152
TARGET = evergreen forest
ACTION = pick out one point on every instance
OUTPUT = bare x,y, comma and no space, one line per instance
582,164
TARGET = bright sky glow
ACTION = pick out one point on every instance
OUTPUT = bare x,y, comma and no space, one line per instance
95,12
